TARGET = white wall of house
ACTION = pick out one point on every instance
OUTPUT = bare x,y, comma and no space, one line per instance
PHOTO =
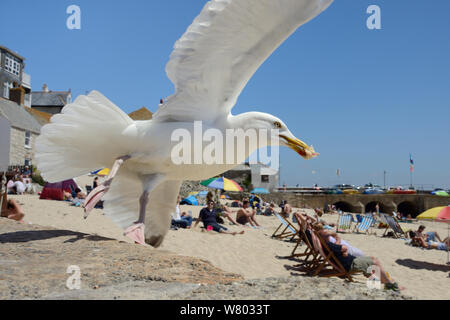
5,133
19,151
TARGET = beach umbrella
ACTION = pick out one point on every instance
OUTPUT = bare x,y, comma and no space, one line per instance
260,191
439,214
224,196
222,184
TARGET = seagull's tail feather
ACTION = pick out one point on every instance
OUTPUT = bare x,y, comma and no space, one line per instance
86,136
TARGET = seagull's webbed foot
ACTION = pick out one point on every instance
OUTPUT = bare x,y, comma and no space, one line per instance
95,195
136,233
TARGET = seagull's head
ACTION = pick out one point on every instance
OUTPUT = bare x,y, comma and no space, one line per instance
278,132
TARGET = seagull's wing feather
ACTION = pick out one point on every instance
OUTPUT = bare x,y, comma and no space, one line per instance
225,45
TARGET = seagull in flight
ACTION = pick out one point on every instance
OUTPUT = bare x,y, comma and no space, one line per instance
210,66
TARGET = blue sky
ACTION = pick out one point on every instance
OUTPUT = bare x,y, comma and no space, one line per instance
364,98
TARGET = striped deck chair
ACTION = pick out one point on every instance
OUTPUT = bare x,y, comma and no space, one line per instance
344,222
393,225
326,264
286,227
366,222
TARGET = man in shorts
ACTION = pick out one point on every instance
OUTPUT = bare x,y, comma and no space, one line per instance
362,264
208,216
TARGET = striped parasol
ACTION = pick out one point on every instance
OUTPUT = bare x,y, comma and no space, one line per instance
222,184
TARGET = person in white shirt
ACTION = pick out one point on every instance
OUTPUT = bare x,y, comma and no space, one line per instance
181,220
20,187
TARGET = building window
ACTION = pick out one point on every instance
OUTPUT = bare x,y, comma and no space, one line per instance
28,139
264,178
12,65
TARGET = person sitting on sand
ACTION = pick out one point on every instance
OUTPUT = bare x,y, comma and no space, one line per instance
208,217
356,264
181,220
13,211
19,187
429,236
270,210
247,215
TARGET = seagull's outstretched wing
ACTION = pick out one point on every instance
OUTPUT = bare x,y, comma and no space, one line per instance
225,45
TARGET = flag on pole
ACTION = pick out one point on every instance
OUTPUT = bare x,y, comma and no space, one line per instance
411,163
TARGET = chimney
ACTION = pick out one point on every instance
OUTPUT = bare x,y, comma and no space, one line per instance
17,95
45,88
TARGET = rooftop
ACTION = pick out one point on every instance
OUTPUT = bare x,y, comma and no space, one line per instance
12,52
42,117
51,98
141,114
18,117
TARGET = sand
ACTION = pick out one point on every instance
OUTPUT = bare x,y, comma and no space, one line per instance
253,255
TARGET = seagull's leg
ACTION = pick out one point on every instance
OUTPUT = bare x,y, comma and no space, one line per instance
95,195
136,231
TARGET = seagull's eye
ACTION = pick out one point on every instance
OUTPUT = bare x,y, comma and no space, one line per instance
277,125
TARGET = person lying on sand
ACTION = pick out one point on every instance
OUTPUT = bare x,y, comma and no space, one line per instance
429,243
13,211
208,216
357,264
247,215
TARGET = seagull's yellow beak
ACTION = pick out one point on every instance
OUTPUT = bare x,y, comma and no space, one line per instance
307,152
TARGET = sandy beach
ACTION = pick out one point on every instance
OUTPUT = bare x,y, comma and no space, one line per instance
254,255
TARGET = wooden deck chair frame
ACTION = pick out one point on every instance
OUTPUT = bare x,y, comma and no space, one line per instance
364,222
289,229
309,255
327,265
338,226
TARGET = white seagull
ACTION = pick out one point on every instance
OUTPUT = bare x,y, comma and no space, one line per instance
209,67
